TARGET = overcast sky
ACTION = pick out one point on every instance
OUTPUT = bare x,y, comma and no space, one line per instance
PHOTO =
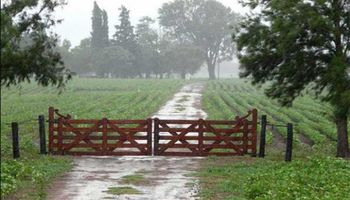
77,14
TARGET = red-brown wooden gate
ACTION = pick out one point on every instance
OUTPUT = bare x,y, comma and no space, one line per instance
134,137
98,137
206,137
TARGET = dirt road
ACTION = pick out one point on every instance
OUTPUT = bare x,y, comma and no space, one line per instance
137,177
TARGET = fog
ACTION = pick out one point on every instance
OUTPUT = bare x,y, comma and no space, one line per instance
157,39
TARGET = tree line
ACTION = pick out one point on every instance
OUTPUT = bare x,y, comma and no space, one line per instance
190,34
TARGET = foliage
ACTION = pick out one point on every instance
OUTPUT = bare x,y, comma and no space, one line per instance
312,178
315,178
206,24
15,174
99,34
284,45
28,52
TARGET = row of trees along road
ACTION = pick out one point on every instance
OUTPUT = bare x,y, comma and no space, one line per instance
191,33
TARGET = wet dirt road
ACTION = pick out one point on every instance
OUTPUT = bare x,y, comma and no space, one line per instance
167,178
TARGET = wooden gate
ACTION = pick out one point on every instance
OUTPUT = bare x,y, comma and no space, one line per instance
98,137
206,137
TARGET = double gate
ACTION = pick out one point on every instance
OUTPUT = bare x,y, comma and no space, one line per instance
152,136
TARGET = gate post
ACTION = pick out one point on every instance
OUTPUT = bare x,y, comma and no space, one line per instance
156,137
289,147
51,127
15,140
262,136
42,134
245,136
149,136
200,137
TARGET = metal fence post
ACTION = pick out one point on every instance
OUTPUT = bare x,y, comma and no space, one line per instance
42,134
289,147
15,140
262,136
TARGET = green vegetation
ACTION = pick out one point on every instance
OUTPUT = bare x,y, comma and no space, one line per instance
312,119
122,190
82,98
135,179
311,175
312,178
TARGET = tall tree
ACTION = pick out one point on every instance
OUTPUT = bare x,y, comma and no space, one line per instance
125,37
205,23
147,40
99,34
28,49
299,44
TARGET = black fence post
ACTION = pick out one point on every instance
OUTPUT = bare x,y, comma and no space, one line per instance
262,136
42,134
15,139
289,147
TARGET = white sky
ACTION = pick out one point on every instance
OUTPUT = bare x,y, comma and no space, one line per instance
77,14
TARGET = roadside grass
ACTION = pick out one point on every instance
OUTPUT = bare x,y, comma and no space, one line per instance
309,178
122,190
135,179
28,178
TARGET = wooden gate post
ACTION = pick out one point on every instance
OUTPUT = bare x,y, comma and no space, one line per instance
15,140
149,136
262,136
42,134
51,127
156,137
289,147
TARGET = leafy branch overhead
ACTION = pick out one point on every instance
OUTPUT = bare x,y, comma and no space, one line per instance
27,49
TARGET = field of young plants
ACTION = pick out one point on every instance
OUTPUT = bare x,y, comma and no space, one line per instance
314,172
313,124
82,98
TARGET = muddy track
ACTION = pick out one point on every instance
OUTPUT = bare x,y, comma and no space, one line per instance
137,177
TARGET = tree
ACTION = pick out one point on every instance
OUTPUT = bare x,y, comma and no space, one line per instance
184,59
125,37
81,58
114,60
27,49
299,44
205,23
99,34
147,41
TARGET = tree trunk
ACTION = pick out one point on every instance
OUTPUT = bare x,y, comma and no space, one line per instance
211,70
342,132
183,75
161,76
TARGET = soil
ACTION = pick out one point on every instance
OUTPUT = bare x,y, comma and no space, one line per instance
167,177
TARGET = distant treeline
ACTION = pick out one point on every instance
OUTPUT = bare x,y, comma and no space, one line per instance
190,34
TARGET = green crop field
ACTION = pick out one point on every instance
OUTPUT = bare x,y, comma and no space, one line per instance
314,172
82,98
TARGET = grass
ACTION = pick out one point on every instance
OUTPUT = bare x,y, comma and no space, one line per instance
135,179
310,178
82,98
122,190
